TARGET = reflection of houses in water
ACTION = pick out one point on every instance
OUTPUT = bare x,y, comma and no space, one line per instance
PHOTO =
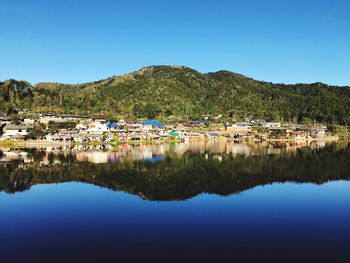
10,155
124,153
239,148
217,157
52,155
128,153
274,151
293,147
179,148
158,149
92,157
198,147
216,147
140,152
318,144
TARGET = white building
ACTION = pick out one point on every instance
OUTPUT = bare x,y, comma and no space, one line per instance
271,124
81,127
12,131
28,121
5,120
319,131
97,126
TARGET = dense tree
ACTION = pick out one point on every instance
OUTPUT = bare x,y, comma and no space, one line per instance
37,132
181,91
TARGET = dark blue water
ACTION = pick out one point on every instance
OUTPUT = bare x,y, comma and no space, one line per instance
84,222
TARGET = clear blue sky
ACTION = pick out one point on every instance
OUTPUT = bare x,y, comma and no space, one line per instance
77,41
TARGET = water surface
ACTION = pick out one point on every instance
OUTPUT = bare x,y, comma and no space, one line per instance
220,202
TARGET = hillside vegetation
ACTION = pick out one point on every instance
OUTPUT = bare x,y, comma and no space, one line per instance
181,91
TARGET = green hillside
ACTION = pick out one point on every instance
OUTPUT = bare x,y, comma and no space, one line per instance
181,91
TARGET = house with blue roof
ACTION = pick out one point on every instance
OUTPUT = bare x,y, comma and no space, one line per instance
154,123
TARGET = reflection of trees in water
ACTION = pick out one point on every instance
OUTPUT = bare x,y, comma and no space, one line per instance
178,178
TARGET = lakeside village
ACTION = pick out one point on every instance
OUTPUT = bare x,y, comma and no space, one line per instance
75,129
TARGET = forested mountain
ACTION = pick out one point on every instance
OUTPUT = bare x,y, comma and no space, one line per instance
181,91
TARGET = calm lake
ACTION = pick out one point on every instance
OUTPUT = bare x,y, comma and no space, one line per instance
186,202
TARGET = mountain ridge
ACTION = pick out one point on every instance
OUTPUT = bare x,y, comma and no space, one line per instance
185,67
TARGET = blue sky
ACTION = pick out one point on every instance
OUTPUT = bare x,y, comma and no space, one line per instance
77,41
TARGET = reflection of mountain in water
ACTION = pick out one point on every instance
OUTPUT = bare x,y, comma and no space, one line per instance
178,176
